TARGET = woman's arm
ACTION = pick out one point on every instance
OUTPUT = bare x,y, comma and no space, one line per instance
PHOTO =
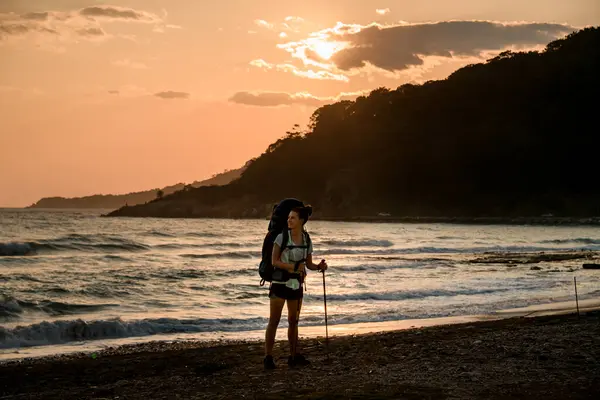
314,267
276,259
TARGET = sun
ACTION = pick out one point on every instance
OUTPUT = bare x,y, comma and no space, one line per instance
325,49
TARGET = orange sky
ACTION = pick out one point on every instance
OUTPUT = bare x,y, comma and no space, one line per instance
136,94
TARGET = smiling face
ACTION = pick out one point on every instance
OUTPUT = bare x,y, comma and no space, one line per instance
294,220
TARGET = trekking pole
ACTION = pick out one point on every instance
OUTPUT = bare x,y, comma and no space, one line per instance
326,329
576,297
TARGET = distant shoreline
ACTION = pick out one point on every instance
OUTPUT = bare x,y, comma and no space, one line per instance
546,221
541,220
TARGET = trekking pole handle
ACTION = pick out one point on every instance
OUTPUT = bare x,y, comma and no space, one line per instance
322,270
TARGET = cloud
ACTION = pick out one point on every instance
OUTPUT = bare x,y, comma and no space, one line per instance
273,99
348,49
396,48
290,24
382,11
172,95
310,74
263,24
36,16
127,63
114,13
294,19
85,23
91,32
130,91
16,28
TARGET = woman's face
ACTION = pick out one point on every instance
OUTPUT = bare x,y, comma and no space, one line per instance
294,220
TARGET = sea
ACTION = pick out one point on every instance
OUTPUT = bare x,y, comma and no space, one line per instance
73,280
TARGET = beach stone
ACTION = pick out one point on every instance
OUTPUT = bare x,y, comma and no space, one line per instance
209,368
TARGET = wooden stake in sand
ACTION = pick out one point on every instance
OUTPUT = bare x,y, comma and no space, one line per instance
576,298
326,329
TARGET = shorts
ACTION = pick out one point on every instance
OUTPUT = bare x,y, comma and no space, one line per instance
284,292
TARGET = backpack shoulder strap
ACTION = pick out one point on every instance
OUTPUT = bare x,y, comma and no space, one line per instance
308,242
285,240
308,239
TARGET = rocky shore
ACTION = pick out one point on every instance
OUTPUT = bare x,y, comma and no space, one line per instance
158,210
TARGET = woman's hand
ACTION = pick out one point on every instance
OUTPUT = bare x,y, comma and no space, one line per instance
299,267
322,266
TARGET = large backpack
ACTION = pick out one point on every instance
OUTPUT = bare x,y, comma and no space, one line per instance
277,225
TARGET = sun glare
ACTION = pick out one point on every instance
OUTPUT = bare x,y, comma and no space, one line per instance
325,49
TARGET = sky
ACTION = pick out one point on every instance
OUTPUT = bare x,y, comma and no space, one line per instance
110,98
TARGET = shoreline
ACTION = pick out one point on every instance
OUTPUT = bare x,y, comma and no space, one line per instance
133,344
553,357
523,221
543,221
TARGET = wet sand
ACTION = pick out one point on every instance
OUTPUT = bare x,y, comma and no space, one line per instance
549,357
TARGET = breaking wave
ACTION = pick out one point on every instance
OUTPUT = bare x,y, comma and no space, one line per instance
11,308
57,332
99,243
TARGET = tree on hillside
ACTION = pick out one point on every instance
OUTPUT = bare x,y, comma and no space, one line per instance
515,135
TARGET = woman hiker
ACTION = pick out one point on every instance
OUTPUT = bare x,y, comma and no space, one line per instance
295,258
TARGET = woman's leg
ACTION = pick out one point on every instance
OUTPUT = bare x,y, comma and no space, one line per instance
293,316
274,317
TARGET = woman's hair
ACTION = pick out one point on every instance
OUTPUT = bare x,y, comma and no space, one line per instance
303,212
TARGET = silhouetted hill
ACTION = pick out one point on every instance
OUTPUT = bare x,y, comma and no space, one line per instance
111,201
514,136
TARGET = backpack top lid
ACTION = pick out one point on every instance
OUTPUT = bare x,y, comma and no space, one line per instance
281,212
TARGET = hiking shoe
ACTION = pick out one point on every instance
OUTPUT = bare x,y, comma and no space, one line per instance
297,361
269,363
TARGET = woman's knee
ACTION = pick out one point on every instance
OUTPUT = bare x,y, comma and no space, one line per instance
292,320
274,321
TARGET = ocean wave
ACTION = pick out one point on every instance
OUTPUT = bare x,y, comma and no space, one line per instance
16,249
183,274
204,234
174,246
569,241
439,250
406,295
73,244
395,251
247,295
22,277
158,234
379,267
229,254
57,332
11,308
358,243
